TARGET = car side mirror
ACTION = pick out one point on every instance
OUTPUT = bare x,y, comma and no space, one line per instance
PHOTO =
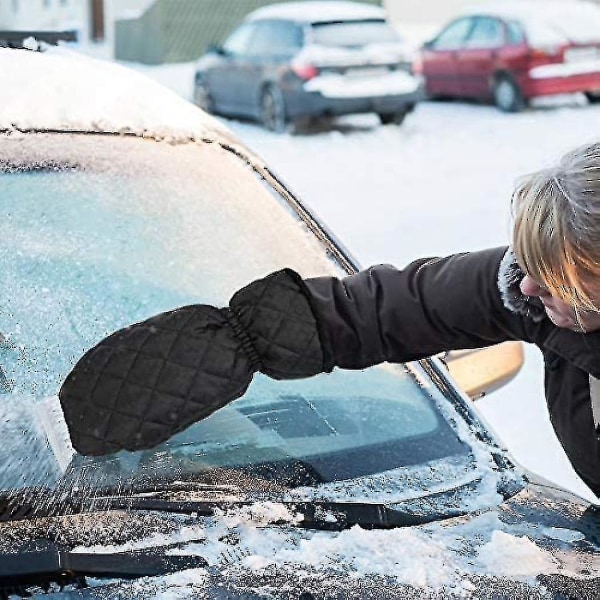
428,45
216,49
481,372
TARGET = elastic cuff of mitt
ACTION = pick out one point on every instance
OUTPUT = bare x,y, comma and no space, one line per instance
240,332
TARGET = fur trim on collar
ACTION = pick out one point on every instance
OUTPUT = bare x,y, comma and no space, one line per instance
509,279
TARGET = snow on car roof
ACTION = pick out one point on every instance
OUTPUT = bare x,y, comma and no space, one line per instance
576,20
62,90
315,12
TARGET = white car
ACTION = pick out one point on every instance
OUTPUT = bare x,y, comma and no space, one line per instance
121,200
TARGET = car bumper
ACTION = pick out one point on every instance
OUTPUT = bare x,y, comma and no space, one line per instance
336,95
563,78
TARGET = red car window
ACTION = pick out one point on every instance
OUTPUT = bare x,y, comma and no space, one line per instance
453,36
486,33
515,33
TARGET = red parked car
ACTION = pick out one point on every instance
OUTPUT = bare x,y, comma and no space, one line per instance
510,52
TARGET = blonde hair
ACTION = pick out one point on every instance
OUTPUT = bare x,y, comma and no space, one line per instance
556,234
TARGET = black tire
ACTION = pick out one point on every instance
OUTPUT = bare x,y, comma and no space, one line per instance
272,109
394,118
202,97
507,95
593,97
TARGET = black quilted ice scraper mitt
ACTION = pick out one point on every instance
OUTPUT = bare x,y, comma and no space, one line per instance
144,383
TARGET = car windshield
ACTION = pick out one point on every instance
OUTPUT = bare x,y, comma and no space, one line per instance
353,33
102,231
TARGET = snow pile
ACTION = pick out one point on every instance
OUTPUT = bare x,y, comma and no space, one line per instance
261,514
509,555
408,555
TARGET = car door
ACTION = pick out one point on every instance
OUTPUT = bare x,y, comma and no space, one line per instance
273,44
440,59
225,77
477,60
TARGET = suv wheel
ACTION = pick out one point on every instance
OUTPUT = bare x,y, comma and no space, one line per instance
202,97
272,105
395,118
507,95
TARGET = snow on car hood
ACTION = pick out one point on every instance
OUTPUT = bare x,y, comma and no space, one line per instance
62,90
447,556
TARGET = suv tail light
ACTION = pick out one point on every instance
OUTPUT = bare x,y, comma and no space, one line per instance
417,66
305,71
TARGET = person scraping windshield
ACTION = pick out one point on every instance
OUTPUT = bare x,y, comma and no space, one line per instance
178,367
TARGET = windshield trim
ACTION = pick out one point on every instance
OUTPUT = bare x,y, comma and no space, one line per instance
436,371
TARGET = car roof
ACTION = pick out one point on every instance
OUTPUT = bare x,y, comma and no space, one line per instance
550,22
318,12
551,11
62,90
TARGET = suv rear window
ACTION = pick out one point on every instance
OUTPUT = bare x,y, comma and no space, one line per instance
353,33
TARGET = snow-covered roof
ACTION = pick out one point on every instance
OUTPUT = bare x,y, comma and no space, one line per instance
576,20
62,90
315,12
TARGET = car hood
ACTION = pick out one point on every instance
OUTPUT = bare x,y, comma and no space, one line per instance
538,544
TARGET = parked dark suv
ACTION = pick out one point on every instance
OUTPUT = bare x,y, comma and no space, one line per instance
288,62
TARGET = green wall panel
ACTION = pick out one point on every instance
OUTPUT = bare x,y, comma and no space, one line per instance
181,30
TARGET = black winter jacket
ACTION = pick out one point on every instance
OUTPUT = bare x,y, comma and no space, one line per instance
463,301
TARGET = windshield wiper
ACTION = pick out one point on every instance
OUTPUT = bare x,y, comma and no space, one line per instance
317,514
52,564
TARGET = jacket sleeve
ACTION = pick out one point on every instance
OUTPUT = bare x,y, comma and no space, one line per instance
433,305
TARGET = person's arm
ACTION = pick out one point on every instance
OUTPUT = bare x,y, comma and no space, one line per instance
433,305
144,383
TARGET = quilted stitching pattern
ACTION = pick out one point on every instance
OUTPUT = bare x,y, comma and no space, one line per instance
142,384
278,317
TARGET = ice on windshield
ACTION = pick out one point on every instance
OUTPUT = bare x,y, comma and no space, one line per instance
102,231
340,426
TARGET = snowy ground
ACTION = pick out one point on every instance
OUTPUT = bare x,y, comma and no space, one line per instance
440,183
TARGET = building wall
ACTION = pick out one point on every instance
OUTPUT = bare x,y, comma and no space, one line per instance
66,14
43,14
